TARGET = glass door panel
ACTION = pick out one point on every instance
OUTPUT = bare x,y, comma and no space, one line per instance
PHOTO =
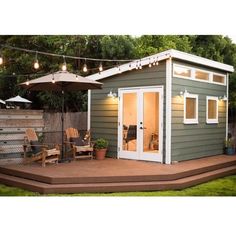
129,124
150,124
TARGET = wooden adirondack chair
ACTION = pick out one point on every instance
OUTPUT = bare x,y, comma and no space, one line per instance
79,147
40,152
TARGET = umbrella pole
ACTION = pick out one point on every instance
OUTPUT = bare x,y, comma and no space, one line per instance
62,125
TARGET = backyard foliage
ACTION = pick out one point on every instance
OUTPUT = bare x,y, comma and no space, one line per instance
18,63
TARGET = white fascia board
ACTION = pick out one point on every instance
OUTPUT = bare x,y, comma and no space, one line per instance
163,56
200,60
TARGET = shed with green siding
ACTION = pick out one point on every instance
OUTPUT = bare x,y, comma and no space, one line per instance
168,107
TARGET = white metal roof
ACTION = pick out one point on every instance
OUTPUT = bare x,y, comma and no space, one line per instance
163,56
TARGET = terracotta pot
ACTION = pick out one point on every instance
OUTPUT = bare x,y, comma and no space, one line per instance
100,153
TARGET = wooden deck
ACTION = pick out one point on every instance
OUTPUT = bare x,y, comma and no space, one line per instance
112,175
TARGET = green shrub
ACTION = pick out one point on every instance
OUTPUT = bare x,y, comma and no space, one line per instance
101,143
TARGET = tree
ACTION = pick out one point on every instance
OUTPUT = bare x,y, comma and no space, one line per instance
147,45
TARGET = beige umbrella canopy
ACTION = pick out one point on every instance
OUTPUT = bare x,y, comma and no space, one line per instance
62,81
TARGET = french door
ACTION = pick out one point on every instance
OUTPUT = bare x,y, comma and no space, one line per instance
140,130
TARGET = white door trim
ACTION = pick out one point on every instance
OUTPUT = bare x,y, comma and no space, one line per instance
168,110
136,155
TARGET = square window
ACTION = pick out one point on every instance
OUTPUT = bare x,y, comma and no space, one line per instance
190,109
212,110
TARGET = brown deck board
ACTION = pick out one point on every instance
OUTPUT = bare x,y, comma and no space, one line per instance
115,175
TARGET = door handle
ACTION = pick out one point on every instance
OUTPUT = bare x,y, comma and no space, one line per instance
143,128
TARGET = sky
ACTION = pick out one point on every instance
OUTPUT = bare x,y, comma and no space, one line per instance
233,37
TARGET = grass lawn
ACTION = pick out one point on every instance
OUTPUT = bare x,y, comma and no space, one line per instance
220,187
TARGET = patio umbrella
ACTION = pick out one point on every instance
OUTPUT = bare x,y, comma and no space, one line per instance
18,99
61,81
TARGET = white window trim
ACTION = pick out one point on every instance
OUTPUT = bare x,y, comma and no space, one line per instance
191,121
212,121
192,77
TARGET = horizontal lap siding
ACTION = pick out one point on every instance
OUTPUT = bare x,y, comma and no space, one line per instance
191,141
104,110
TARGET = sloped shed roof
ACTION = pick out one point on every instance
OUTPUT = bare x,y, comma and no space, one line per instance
163,56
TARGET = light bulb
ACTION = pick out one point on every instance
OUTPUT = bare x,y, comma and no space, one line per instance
154,62
157,63
64,67
130,67
27,82
36,64
136,67
140,65
100,67
150,64
85,69
1,60
76,77
53,79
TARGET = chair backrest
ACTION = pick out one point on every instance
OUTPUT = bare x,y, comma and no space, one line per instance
31,135
72,133
131,133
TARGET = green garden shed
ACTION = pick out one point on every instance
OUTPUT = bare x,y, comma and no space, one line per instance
168,107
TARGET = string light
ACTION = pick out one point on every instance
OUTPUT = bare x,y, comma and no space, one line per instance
58,55
27,82
100,67
85,69
154,61
77,77
150,64
53,79
140,65
130,66
36,62
64,67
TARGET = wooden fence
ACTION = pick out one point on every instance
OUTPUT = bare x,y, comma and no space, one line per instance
13,124
52,129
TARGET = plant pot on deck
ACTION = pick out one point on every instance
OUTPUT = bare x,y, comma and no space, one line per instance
100,154
100,147
230,151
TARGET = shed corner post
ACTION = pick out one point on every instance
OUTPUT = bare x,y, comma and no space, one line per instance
227,108
168,110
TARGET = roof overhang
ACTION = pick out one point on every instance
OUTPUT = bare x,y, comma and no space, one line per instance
172,53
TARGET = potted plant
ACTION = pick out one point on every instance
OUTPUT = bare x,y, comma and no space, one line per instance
100,147
229,146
